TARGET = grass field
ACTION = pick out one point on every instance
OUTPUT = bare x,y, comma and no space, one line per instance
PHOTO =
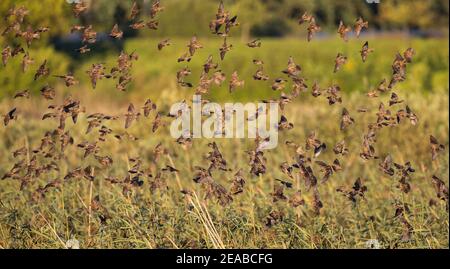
166,218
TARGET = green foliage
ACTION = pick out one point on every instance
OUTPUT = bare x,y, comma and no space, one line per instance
51,13
155,72
12,79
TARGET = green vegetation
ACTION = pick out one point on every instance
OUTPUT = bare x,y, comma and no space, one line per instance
167,219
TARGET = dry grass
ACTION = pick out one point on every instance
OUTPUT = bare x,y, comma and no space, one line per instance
168,219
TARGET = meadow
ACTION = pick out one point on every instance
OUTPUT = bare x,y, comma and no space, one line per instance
167,218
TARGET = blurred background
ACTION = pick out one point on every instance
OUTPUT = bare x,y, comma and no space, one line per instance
394,26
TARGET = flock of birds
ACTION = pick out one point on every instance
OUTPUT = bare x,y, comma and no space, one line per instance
43,159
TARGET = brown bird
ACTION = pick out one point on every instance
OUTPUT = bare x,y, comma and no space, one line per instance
69,79
152,24
340,148
224,49
293,69
441,189
258,62
149,106
346,119
22,94
333,94
181,74
235,82
386,166
84,49
79,7
383,86
259,75
411,116
329,170
209,64
116,32
6,54
394,99
358,190
284,124
409,54
313,143
48,92
134,11
316,91
313,28
365,51
238,183
26,61
339,62
76,28
194,45
89,35
278,193
11,115
343,31
43,71
254,43
164,43
17,50
305,18
359,25
105,161
218,77
157,122
156,8
138,25
316,203
279,84
185,57
131,115
435,147
29,35
95,73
